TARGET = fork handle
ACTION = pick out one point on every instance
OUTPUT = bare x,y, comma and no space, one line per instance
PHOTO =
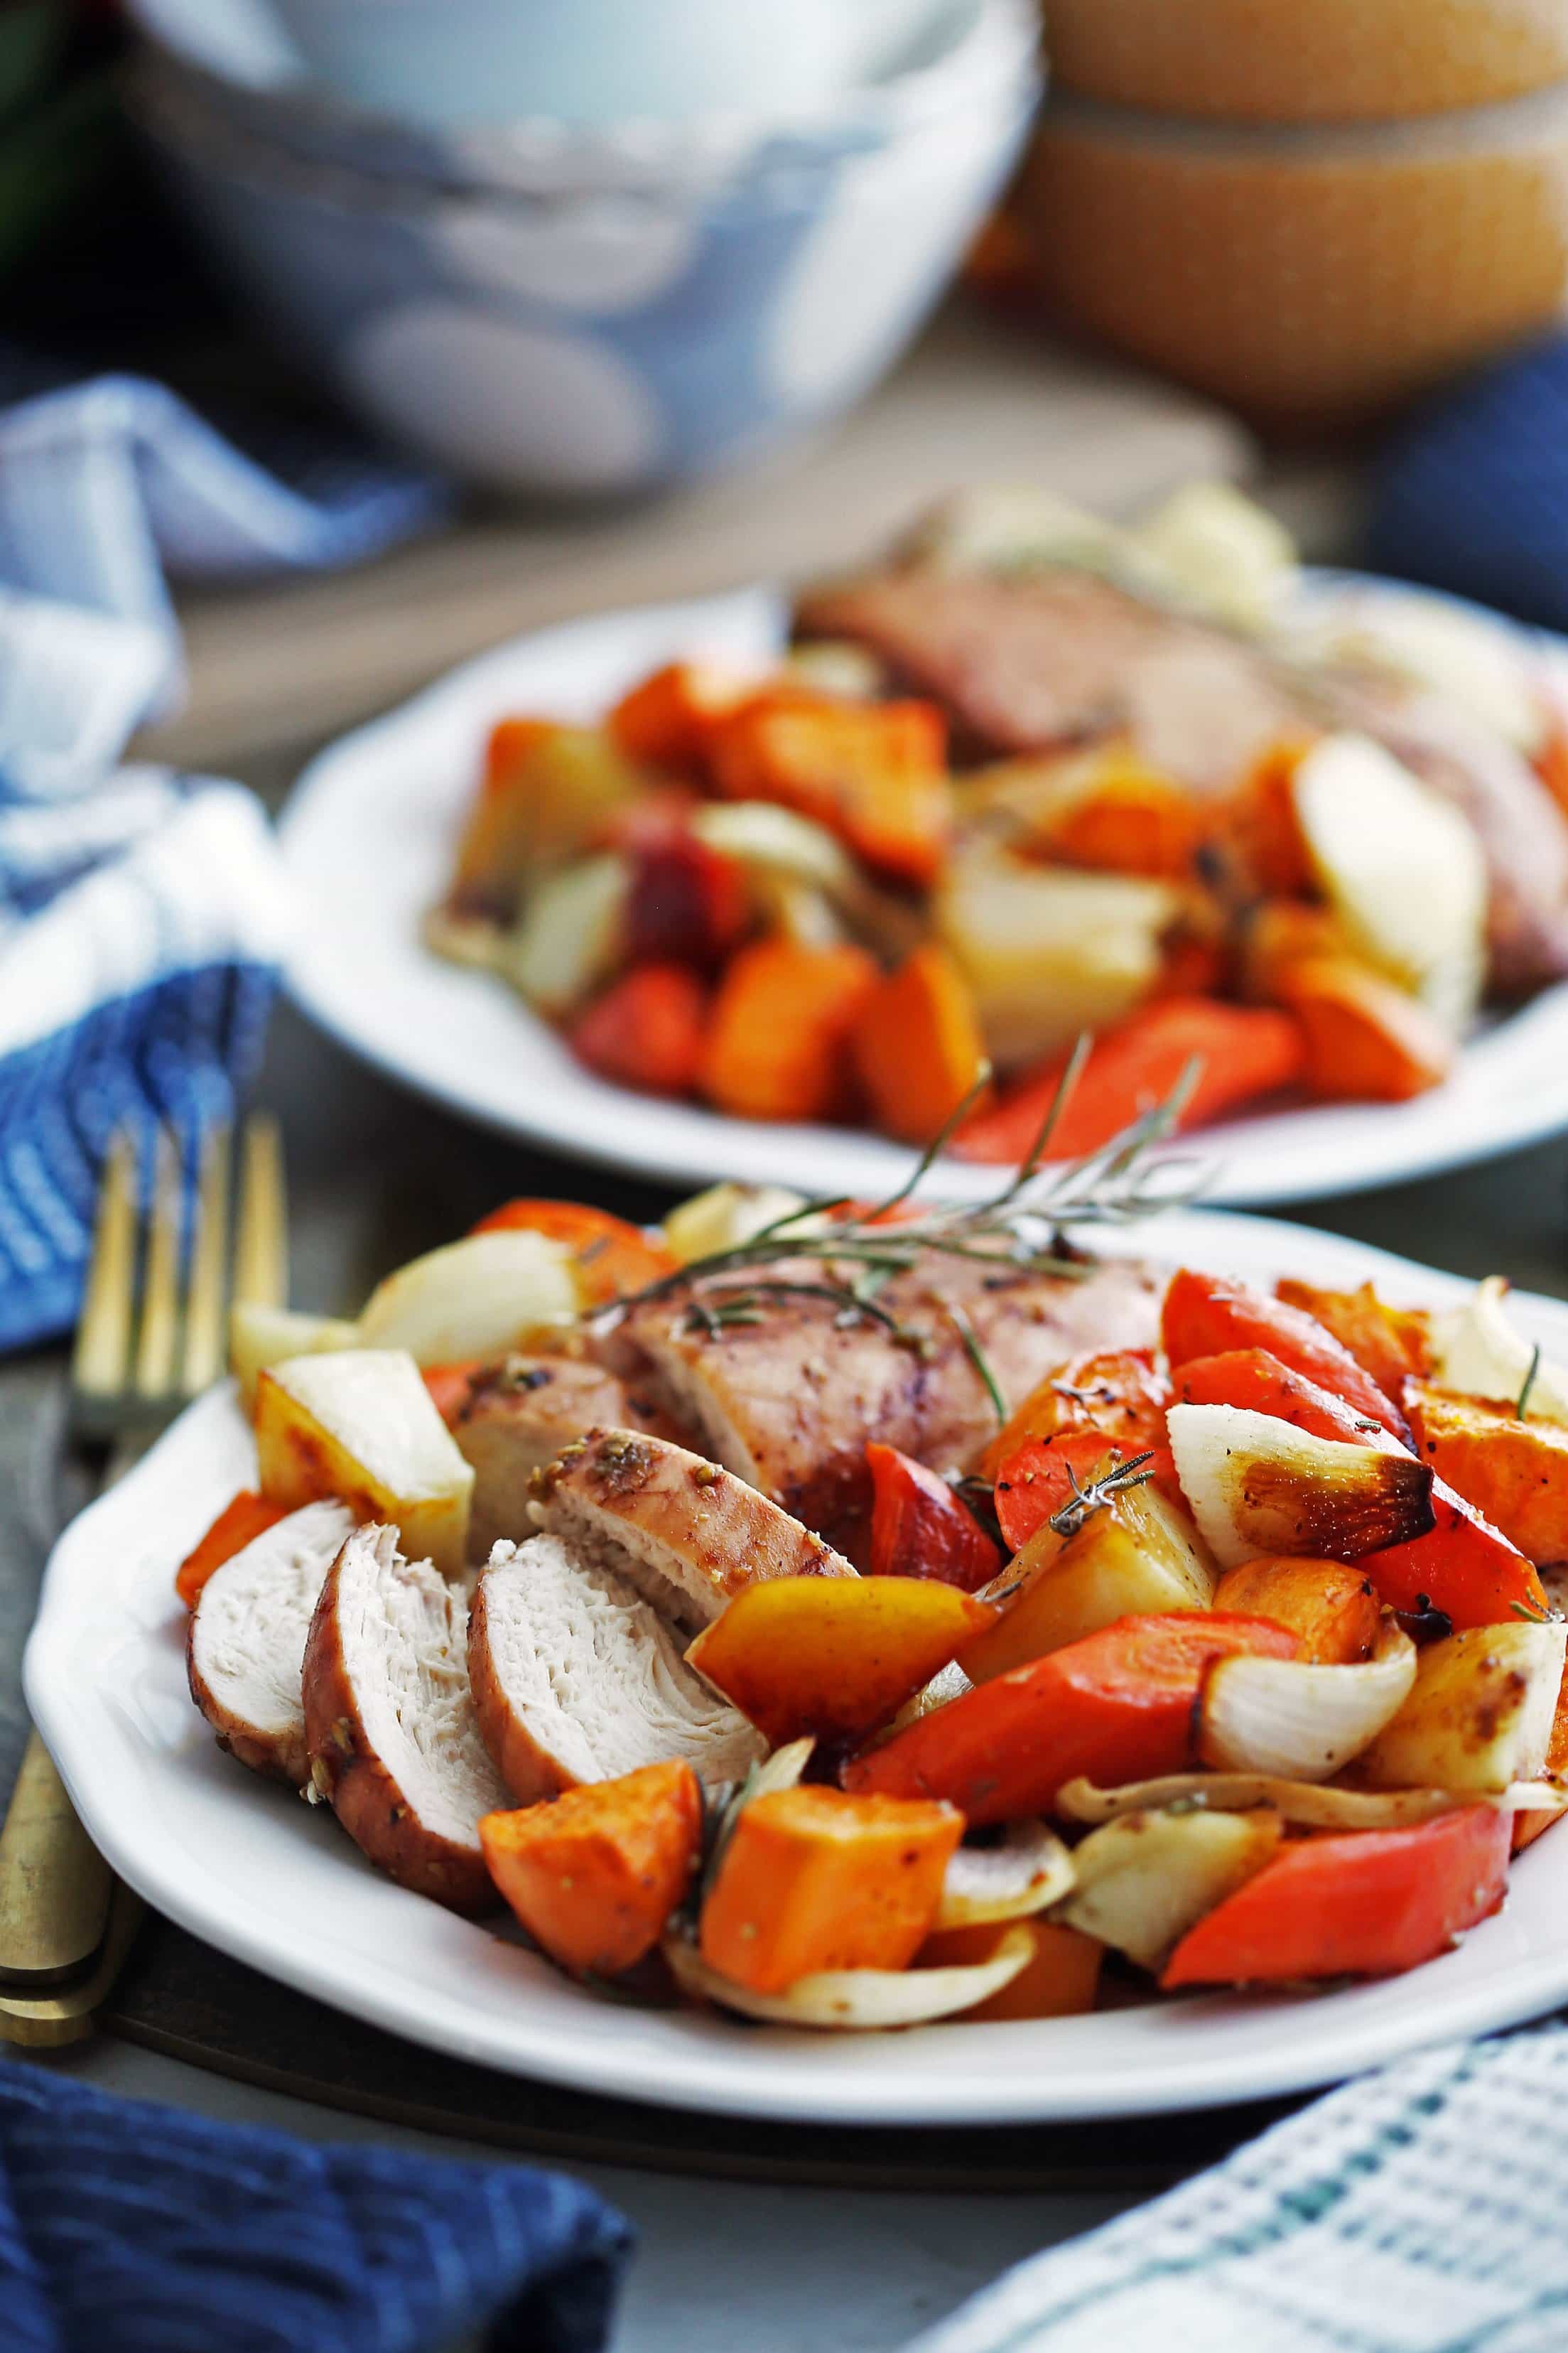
54,1886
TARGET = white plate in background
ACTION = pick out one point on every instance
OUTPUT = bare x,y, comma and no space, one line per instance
369,838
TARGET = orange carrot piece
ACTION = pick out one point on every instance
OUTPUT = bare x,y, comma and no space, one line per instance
1393,1344
873,772
1130,819
921,1528
1059,1979
1261,826
450,1386
815,1879
1275,935
1243,1051
1039,1476
834,1656
668,718
239,1523
1118,1706
613,1256
778,1040
1334,1609
1367,1905
594,1874
1552,760
1209,1315
1114,1392
647,1030
917,1045
1367,1041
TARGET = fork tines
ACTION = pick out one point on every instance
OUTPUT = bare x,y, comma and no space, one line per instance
139,1368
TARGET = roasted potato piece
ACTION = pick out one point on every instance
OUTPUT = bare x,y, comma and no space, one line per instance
361,1426
475,1298
568,936
545,792
259,1336
1479,1714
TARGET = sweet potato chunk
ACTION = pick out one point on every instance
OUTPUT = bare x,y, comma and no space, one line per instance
593,1875
668,719
1367,1039
240,1522
1059,1980
1514,1472
814,1879
778,1043
1393,1344
917,1045
873,772
1334,1609
833,1655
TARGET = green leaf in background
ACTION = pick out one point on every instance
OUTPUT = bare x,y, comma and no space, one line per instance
32,43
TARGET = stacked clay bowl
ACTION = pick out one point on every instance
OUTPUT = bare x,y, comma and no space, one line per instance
1313,209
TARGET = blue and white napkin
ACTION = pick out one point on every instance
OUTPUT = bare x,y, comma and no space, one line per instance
143,914
1412,2212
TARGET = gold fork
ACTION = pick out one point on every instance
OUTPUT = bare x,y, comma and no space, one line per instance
66,1922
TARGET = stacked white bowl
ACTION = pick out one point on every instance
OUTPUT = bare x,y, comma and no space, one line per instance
589,247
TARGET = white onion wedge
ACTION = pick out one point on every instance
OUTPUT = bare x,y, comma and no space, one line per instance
857,1997
1476,1352
1480,1713
1257,1485
725,1216
1301,1802
477,1297
1300,1722
1145,1879
1029,1868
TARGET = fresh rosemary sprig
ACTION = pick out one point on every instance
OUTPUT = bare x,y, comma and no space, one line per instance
1020,1227
1084,1502
978,1358
1529,1382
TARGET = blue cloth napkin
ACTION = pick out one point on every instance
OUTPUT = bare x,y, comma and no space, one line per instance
1471,492
143,914
126,2228
1410,2212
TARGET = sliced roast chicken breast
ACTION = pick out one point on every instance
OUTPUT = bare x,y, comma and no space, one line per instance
789,1402
681,1530
577,1678
390,1728
517,1417
246,1641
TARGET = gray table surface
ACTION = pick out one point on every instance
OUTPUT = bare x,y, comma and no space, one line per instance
377,1175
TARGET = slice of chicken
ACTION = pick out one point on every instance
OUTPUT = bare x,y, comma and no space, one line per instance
246,1640
390,1727
577,1678
789,1402
686,1533
517,1417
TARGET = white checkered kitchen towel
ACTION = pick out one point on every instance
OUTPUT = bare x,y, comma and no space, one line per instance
1413,2211
142,913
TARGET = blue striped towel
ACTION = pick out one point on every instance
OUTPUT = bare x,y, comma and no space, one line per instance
142,913
1410,2212
132,2228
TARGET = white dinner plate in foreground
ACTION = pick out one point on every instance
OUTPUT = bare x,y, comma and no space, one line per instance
369,838
276,1883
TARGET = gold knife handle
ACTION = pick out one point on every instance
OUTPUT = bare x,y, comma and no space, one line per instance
54,1886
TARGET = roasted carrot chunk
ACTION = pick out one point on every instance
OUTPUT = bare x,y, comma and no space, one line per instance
613,1256
1333,1608
1060,1979
1275,935
1367,1039
1118,1707
239,1523
1209,1315
1369,1905
1392,1344
1041,1475
647,1030
833,1655
778,1043
920,1527
917,1045
1261,829
668,719
1115,1392
873,772
1514,1472
1243,1051
814,1879
593,1875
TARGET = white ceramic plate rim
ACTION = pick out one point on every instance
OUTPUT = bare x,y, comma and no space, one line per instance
262,1877
368,838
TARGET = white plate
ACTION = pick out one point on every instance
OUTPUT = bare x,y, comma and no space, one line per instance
276,1883
369,838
